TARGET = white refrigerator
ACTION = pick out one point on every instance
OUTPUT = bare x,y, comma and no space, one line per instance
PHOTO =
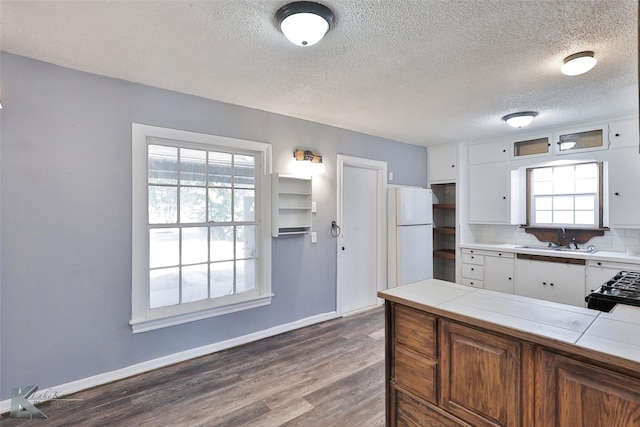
410,235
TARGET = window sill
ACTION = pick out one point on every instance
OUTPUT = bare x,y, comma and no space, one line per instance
164,321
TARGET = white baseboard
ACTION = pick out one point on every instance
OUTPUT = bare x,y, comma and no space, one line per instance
118,374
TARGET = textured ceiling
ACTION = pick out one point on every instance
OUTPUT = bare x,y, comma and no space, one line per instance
424,72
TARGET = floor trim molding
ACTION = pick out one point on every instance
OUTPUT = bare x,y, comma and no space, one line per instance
118,374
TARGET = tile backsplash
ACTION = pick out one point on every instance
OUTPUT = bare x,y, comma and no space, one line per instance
625,240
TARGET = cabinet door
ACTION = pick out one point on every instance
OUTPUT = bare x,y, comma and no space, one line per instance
498,273
489,193
489,152
443,160
624,197
577,394
480,376
599,272
551,281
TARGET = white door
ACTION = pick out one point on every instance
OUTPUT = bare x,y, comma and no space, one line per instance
361,244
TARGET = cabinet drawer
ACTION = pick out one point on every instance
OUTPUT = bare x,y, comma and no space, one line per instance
472,271
468,258
415,374
472,282
415,331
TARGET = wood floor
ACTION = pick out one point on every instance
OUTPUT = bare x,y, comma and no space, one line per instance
330,374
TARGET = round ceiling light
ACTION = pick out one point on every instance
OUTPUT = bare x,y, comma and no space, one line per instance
578,63
304,23
520,120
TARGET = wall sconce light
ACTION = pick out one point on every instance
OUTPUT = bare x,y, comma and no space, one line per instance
304,23
520,120
309,162
578,63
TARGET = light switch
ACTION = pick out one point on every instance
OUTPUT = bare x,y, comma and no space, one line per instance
314,237
314,207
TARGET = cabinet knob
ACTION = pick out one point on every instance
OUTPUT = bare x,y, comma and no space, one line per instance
504,150
550,284
617,134
544,283
472,257
599,263
504,197
472,269
453,166
616,193
509,278
499,254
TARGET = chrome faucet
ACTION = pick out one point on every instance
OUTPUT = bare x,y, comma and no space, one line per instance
562,233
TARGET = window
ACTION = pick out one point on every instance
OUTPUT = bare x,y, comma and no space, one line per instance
565,195
199,245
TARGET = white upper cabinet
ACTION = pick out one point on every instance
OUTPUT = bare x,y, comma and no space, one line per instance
442,163
489,193
489,152
624,133
624,197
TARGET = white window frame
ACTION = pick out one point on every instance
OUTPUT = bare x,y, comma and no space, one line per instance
601,209
142,317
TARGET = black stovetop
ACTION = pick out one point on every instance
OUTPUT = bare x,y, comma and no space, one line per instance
623,288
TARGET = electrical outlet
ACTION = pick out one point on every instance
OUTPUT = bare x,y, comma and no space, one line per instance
314,237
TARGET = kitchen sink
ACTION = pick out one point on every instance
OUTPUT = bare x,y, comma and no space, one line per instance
588,250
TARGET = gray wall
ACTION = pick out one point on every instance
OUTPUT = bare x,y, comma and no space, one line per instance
65,199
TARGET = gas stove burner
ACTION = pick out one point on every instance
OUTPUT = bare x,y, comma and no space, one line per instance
623,288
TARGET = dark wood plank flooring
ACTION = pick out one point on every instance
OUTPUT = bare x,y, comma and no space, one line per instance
329,374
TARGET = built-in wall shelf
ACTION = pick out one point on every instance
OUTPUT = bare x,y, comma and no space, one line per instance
444,206
291,205
445,253
445,230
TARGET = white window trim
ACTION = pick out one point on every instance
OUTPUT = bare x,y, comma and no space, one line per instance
144,319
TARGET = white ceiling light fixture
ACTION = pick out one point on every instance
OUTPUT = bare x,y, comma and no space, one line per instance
578,63
304,23
520,120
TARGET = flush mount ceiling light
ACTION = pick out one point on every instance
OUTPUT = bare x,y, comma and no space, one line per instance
578,63
303,22
520,120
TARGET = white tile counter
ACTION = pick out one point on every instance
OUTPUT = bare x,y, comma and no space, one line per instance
616,333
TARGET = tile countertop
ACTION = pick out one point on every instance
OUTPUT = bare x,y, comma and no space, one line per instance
598,255
616,333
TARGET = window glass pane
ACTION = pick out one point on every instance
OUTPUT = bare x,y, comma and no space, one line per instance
163,165
575,141
192,167
244,171
164,249
543,174
221,279
219,169
243,205
563,203
563,173
587,170
543,203
164,287
585,202
245,275
163,205
563,217
585,217
195,245
193,205
220,204
195,283
532,146
543,217
563,187
589,185
246,241
221,243
543,187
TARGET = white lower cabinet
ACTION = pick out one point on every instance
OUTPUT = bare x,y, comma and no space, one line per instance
599,272
553,279
487,269
498,272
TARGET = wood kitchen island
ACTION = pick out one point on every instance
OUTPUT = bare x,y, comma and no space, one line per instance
459,356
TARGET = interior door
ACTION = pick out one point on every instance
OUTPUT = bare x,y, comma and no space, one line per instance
362,242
